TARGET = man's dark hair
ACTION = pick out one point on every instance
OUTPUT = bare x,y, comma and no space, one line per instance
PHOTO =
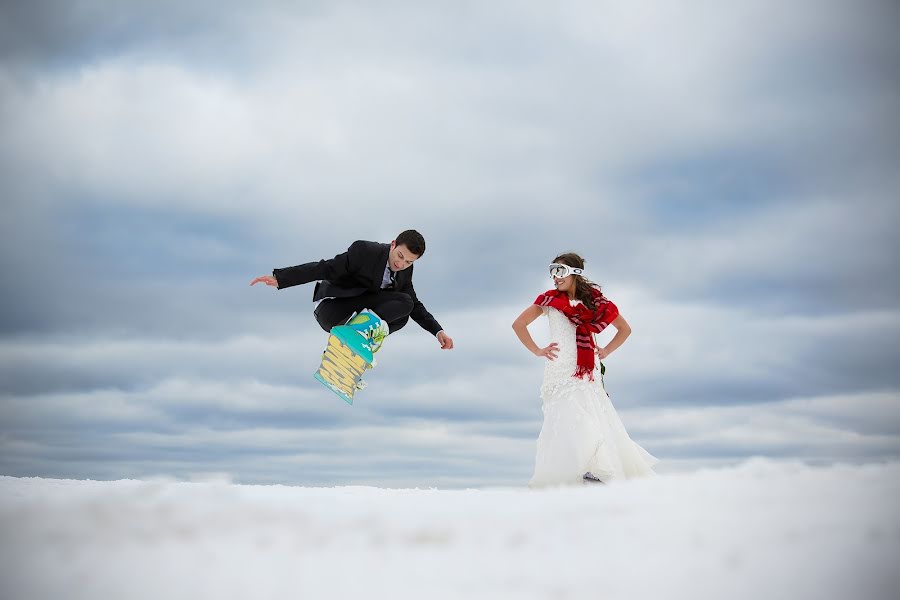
413,240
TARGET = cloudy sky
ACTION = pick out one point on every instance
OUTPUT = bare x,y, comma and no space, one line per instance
729,171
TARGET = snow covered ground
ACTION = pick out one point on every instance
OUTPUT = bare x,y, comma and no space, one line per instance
760,530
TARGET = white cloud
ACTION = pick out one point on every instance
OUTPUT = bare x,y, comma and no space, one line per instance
825,428
506,132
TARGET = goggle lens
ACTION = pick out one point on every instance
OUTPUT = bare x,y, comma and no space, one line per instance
558,271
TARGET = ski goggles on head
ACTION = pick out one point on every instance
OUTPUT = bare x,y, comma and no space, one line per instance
558,271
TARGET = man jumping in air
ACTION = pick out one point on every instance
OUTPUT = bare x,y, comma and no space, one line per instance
369,275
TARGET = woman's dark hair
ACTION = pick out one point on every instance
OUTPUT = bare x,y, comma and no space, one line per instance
413,241
583,285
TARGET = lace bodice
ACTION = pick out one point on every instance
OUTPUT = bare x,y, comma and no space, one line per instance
558,373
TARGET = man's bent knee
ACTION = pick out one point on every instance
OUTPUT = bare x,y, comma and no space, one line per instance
398,324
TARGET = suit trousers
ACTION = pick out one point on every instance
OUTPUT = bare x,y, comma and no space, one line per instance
393,307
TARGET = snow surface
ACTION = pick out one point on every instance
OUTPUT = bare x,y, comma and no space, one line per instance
759,530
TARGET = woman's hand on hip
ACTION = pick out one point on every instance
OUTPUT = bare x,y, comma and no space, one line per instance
550,352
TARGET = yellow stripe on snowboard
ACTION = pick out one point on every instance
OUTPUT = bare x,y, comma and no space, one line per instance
341,367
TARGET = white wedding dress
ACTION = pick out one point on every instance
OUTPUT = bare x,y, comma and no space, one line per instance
581,432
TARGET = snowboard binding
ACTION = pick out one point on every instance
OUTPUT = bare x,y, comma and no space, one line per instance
371,327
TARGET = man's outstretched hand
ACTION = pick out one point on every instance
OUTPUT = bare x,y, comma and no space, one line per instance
266,279
445,340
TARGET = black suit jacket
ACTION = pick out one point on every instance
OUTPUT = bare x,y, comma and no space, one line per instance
355,272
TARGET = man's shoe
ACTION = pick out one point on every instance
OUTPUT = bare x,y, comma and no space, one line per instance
370,326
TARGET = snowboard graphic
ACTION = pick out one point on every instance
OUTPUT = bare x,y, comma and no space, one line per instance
349,353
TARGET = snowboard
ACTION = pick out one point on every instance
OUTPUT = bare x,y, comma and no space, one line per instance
350,352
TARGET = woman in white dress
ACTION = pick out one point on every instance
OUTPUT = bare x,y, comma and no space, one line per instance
582,438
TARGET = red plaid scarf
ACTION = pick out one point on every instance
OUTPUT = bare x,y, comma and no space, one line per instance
586,321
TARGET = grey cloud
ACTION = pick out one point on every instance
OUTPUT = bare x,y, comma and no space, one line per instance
62,34
155,159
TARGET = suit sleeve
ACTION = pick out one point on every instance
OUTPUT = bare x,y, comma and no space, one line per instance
419,313
331,269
